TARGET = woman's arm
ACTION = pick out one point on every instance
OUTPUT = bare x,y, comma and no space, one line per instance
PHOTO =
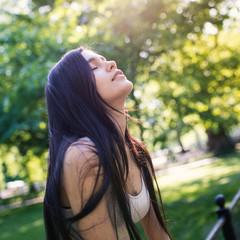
79,177
152,228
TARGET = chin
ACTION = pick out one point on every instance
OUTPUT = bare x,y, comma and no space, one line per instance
130,86
126,89
118,98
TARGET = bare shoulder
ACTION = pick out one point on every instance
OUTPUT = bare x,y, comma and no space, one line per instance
80,154
80,173
81,164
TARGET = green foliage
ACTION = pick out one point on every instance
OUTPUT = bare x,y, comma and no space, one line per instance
24,71
178,55
30,45
207,73
30,167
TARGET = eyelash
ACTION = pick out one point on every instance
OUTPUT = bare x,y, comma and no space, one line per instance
94,68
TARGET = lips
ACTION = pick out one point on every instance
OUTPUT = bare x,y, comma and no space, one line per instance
118,72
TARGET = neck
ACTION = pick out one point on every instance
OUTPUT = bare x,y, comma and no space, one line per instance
120,120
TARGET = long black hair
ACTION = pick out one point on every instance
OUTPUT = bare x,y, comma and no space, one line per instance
76,110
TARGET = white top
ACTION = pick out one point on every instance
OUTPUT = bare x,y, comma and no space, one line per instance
140,203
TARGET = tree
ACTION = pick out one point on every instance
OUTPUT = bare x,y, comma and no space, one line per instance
178,54
31,43
179,48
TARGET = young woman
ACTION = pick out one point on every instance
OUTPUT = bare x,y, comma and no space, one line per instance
100,178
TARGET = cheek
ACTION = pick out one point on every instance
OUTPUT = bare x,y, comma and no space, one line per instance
100,83
102,87
103,91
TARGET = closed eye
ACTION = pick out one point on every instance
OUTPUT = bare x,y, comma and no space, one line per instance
94,68
103,59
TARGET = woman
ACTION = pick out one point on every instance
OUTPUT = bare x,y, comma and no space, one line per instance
99,180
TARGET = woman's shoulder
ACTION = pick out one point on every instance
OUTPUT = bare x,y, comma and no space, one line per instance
79,173
79,153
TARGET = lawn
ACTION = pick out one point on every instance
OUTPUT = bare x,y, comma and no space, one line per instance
188,198
25,223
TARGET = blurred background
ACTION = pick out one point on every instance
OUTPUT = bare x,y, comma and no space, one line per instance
183,57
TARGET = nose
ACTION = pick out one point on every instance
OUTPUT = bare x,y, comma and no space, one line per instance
111,65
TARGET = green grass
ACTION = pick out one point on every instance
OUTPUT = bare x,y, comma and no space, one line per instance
25,223
189,196
188,199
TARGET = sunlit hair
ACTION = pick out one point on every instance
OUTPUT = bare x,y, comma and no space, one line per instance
76,110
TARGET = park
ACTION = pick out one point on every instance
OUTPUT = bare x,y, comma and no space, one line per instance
183,58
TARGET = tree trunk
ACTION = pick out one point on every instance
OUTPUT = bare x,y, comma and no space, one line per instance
219,143
180,142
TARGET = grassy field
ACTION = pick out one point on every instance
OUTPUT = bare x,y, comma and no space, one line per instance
25,223
188,198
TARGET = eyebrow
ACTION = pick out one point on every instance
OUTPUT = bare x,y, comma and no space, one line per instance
93,59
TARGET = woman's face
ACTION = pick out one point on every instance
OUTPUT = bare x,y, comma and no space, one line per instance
112,84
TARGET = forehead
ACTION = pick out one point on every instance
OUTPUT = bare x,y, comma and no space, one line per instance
87,54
